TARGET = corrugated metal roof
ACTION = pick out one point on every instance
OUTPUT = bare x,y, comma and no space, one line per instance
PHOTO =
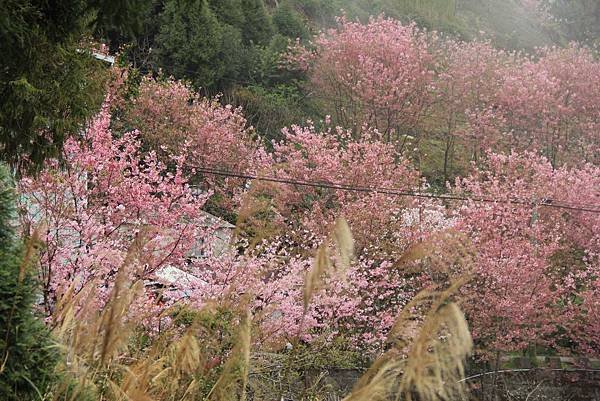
104,57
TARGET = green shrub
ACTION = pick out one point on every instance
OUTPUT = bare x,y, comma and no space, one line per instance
27,353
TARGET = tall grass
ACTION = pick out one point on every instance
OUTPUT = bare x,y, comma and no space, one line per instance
107,358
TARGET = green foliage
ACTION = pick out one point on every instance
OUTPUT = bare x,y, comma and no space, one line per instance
262,64
229,12
217,323
117,19
289,22
215,328
234,56
137,49
270,109
507,23
257,28
322,12
338,353
577,20
302,370
27,352
219,45
191,43
237,54
47,87
231,46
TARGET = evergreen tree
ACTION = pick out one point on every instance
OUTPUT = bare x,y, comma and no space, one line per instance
48,85
47,88
228,12
258,28
124,23
289,22
26,350
234,57
193,44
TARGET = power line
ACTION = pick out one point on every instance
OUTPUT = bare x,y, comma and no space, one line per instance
393,191
545,202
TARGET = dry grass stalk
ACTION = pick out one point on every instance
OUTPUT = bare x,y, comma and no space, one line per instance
380,384
430,341
166,370
29,257
312,282
187,353
428,344
245,345
94,339
435,363
344,243
323,262
113,328
442,255
163,370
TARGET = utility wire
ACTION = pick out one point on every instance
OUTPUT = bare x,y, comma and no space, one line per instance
393,191
545,202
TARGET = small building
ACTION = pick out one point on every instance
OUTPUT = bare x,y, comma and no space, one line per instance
220,236
173,281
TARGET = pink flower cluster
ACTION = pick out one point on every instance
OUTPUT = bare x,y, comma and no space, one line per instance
92,206
537,268
407,82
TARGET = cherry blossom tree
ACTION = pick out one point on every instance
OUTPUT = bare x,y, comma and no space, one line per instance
469,77
107,194
335,157
383,225
375,75
92,206
173,119
409,83
531,284
131,198
547,104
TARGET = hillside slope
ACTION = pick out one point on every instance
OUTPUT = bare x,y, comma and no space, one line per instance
508,23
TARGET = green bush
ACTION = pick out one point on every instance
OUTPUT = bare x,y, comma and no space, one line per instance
27,353
270,109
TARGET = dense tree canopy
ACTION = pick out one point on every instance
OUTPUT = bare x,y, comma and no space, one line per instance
47,87
49,84
191,43
576,20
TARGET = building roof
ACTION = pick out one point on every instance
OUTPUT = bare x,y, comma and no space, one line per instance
171,275
104,57
210,220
